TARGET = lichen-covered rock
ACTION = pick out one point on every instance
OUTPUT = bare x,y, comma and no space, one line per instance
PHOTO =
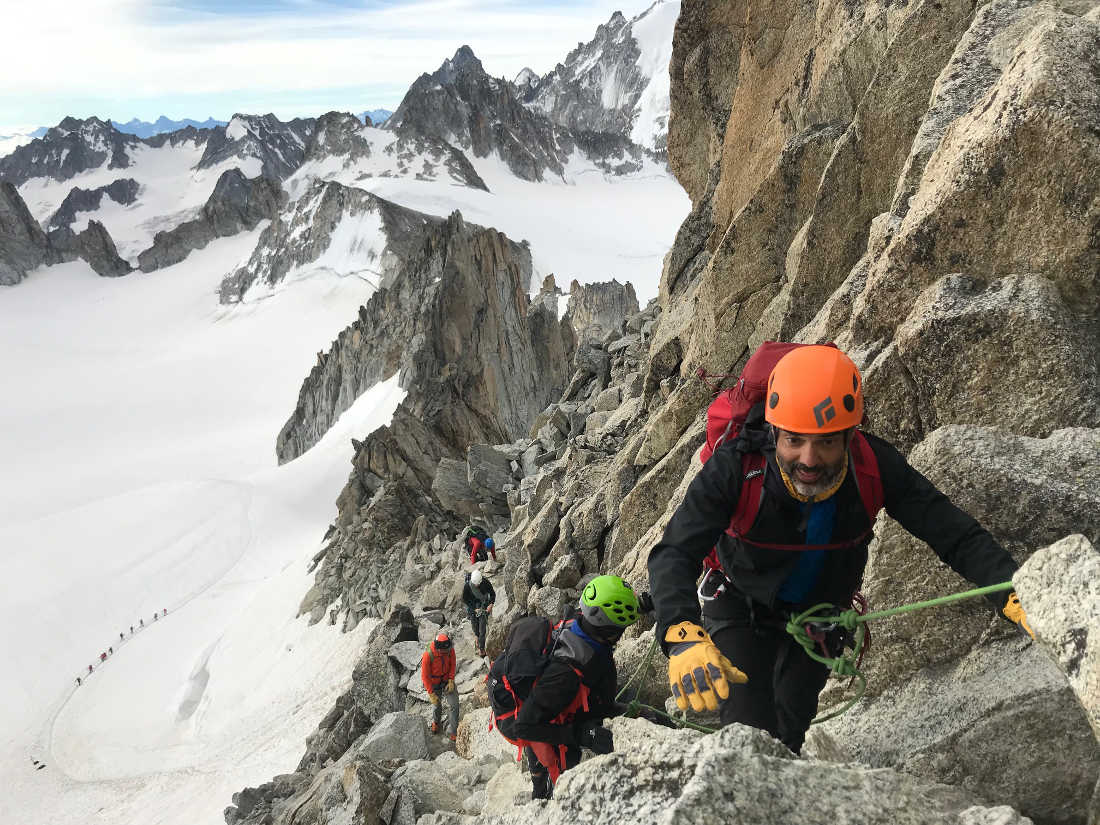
1060,586
1028,492
396,735
739,774
949,724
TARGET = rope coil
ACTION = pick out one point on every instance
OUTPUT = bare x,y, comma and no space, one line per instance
845,665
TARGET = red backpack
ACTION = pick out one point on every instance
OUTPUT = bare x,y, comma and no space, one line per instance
726,416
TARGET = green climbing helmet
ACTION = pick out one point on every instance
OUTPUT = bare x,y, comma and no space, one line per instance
608,601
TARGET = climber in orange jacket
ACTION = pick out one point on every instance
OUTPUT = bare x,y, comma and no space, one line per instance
437,672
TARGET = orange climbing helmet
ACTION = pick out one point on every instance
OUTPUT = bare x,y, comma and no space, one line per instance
815,389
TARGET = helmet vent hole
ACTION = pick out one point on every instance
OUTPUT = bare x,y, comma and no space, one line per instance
849,403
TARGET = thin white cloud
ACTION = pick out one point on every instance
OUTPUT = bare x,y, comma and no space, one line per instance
94,50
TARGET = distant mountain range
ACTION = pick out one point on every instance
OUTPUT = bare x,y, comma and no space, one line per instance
150,193
144,129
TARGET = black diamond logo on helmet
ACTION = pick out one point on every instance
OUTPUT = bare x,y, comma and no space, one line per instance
824,412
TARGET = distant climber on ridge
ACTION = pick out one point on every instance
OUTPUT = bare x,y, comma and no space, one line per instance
553,686
479,544
794,474
437,673
479,597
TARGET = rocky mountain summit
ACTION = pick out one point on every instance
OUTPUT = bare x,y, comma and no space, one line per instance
69,148
262,141
617,82
880,176
340,136
122,191
24,245
461,104
237,204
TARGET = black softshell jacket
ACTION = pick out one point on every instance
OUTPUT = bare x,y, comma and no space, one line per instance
699,524
558,686
471,599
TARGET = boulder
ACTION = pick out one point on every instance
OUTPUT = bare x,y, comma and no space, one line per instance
1060,589
421,787
508,788
962,723
739,775
476,742
1053,485
397,735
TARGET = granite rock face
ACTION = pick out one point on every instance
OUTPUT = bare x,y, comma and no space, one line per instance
25,246
600,308
237,204
663,776
500,351
1061,586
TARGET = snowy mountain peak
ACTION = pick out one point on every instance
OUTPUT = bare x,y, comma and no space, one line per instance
263,143
69,148
526,77
618,82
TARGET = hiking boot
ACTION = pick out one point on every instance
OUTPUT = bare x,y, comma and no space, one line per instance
435,727
453,738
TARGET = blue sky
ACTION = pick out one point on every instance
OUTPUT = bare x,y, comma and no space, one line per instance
200,58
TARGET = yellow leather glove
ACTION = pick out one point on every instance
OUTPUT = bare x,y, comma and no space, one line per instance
451,685
433,698
1014,611
698,673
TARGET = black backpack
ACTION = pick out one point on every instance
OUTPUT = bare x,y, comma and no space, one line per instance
526,654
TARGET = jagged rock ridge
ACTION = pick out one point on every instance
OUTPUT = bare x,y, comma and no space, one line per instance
237,204
331,225
25,246
617,82
461,104
122,191
339,135
274,148
67,149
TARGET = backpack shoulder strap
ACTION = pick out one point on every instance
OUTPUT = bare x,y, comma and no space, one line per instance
752,491
868,477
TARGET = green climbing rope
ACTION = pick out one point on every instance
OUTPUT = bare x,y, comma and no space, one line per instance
843,665
846,663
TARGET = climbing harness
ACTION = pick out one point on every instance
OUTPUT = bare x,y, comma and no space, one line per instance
809,629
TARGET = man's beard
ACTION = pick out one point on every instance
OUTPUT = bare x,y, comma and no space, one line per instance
828,477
